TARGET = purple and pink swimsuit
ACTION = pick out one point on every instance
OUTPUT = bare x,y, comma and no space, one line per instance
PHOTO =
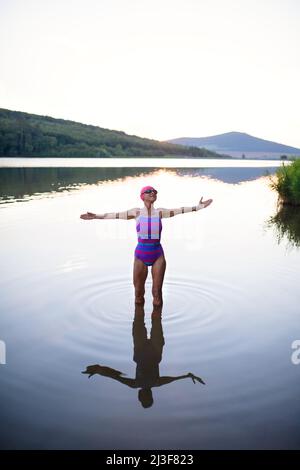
148,230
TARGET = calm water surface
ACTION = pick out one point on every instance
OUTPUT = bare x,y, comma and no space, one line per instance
230,314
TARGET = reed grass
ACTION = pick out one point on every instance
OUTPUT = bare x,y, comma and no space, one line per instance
287,183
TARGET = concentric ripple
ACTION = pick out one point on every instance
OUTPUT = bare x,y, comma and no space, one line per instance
102,310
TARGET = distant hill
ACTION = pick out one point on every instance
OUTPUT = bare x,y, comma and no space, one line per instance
236,143
31,135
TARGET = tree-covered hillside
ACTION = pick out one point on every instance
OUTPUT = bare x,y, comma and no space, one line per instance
31,135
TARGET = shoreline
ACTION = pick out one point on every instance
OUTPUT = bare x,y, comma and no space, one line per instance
157,162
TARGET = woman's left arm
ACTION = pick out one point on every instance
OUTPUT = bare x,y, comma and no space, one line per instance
165,213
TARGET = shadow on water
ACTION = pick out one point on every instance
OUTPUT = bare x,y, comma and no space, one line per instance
147,354
286,224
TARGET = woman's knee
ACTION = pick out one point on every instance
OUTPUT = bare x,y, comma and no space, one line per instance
156,291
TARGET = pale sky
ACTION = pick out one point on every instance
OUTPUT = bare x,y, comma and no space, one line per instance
159,69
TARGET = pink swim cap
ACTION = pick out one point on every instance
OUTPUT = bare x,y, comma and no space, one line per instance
144,189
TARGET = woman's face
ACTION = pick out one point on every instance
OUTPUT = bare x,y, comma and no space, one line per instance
150,197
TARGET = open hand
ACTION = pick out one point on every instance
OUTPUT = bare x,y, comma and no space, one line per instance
88,216
102,370
206,203
91,370
195,378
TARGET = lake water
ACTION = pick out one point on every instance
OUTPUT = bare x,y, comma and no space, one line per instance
230,313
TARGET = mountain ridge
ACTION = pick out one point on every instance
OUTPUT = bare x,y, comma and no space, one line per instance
236,142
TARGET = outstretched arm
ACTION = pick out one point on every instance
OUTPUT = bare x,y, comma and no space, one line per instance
125,215
165,213
109,372
167,380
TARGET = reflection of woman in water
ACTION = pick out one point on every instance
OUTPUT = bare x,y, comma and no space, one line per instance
147,355
149,251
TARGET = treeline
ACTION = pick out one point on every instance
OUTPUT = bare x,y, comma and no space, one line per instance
31,135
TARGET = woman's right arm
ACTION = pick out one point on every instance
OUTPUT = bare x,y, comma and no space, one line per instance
125,215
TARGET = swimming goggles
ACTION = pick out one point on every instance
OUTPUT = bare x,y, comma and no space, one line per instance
149,191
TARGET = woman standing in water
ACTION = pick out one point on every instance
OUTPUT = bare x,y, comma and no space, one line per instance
149,251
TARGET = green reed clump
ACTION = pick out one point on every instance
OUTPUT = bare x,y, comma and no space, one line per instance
287,183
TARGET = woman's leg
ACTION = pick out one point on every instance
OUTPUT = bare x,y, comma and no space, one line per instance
158,272
140,272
